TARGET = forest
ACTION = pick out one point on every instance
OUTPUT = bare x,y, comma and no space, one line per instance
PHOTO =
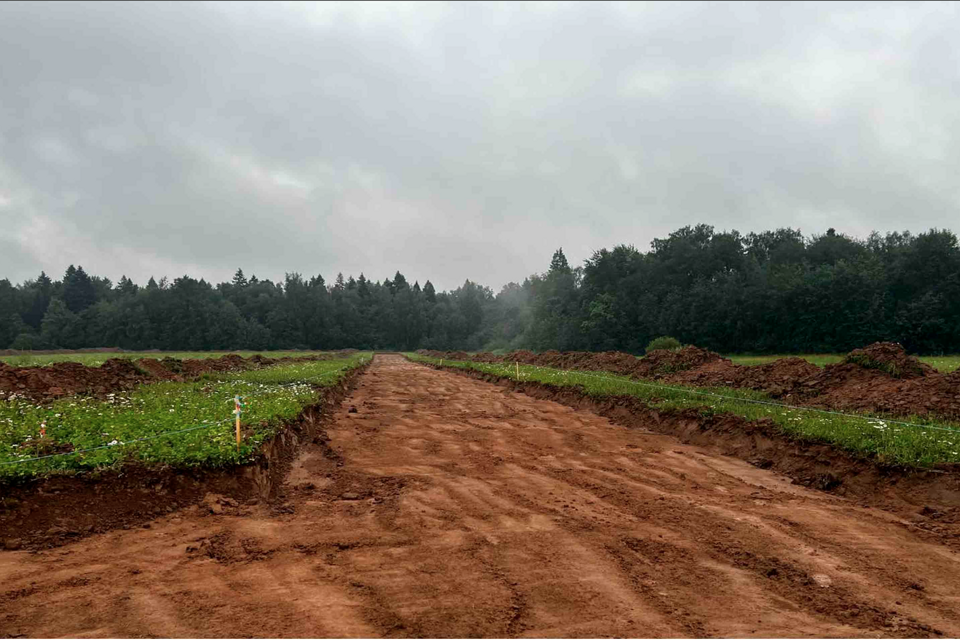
771,292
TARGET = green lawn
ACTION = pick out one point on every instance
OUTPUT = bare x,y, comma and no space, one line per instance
889,440
202,410
97,359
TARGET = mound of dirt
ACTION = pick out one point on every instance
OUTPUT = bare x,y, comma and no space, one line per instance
662,362
231,362
520,355
15,352
781,378
891,358
157,370
67,378
71,378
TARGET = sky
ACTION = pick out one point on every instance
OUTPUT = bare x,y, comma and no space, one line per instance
455,141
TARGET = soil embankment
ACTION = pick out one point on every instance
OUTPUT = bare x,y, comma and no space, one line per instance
880,378
59,379
446,506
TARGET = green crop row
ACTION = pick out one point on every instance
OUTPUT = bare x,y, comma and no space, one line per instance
922,443
180,424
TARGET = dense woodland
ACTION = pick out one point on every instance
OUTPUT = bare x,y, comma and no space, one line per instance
775,291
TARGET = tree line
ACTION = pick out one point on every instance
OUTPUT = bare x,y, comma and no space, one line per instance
775,291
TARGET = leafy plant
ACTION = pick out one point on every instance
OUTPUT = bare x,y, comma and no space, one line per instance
664,342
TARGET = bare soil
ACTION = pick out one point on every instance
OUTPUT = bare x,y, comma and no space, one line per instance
446,506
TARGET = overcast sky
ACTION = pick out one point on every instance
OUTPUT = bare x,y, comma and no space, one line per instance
461,140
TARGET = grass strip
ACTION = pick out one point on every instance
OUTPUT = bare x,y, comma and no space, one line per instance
888,440
134,427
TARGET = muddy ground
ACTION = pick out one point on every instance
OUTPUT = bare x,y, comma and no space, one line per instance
447,506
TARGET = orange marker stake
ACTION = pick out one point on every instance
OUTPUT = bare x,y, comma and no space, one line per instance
518,371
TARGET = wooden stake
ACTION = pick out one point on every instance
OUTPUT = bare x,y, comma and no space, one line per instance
236,401
518,371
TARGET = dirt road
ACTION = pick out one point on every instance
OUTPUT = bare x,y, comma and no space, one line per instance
446,506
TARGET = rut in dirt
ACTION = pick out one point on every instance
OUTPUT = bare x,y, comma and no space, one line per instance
446,506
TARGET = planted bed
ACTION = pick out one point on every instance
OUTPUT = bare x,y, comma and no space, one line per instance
176,424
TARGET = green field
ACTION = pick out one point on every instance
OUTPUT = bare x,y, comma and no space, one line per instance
888,440
202,411
97,359
944,364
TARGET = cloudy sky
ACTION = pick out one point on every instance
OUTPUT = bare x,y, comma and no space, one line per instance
459,140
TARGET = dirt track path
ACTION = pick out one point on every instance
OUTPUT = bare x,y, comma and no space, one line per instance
451,507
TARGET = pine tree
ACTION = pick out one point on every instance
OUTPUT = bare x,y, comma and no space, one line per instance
126,287
399,282
41,291
429,293
363,286
78,290
239,280
559,264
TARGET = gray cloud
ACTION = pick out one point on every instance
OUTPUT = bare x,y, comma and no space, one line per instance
455,141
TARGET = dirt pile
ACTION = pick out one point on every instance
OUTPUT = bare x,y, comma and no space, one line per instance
68,378
890,358
15,352
72,378
665,361
781,378
879,378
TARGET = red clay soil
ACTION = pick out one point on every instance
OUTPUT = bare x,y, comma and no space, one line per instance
880,378
68,378
16,352
71,378
446,506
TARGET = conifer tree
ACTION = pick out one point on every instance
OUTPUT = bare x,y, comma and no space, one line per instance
78,290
